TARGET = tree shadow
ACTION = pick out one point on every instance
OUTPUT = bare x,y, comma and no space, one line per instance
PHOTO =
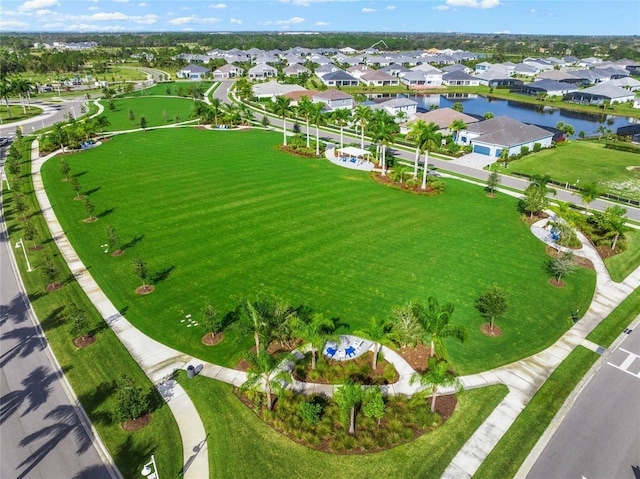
53,319
66,423
133,242
129,449
636,471
79,174
37,386
28,340
16,310
92,191
162,275
106,213
94,400
97,471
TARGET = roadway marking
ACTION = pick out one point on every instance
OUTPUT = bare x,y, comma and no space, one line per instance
626,363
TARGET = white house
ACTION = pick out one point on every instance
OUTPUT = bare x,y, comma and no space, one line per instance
262,71
193,72
333,99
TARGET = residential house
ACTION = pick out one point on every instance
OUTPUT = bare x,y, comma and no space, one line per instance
228,71
525,70
333,99
545,87
339,78
378,78
358,70
401,109
296,96
414,79
561,76
483,67
629,83
273,89
193,72
459,79
262,71
599,94
395,69
295,70
443,117
432,75
490,137
324,69
497,78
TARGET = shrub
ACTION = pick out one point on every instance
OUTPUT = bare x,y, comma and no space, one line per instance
367,441
537,147
309,412
524,150
131,401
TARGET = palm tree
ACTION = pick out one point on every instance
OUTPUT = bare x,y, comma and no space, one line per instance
456,126
5,90
216,106
341,116
415,133
426,137
315,331
101,122
305,108
590,192
362,116
383,133
435,320
378,332
21,87
232,114
282,107
265,372
406,329
58,134
319,118
436,376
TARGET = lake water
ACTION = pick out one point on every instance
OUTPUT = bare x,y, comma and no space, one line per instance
543,115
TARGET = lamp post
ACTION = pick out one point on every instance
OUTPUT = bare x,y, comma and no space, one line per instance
147,471
20,244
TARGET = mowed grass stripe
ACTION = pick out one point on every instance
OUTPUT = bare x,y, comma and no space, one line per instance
233,218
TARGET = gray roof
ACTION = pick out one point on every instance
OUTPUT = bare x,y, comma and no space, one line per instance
551,85
506,131
194,69
458,75
398,102
606,89
339,75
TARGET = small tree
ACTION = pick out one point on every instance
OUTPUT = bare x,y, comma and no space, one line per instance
265,373
89,207
378,332
65,169
132,115
265,121
562,266
141,271
143,122
30,232
211,320
309,412
492,303
131,401
436,376
348,397
79,324
75,186
493,181
50,271
21,207
113,240
374,404
589,192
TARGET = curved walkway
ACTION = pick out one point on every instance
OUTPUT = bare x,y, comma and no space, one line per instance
523,377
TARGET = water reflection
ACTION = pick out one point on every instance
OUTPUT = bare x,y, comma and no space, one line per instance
537,114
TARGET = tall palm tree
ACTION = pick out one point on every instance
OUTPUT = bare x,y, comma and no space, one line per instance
378,332
416,133
318,117
265,372
341,116
58,134
456,126
305,108
216,108
315,331
436,376
282,107
384,129
101,122
5,90
589,192
427,138
22,87
435,320
362,116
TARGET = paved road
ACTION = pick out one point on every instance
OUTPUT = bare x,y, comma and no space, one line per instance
42,434
600,436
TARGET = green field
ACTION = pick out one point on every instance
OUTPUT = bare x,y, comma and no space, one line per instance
242,446
587,161
225,215
174,88
157,111
15,113
621,265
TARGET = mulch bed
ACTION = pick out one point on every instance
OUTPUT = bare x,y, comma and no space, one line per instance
293,151
536,217
53,286
145,289
275,347
135,424
495,332
118,252
606,251
577,260
82,342
79,197
93,219
211,339
556,283
37,247
416,357
375,377
385,180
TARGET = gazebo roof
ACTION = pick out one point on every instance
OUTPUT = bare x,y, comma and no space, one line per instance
354,151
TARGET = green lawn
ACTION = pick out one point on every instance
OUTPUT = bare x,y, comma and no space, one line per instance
157,111
15,113
514,447
621,265
587,161
242,446
609,329
93,371
175,88
215,220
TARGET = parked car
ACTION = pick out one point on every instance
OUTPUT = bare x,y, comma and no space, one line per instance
4,140
432,173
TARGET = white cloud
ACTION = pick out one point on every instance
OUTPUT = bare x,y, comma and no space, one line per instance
104,16
44,13
38,4
441,8
93,9
121,1
51,26
503,32
322,24
144,4
235,21
369,10
306,3
391,7
285,23
84,27
474,3
8,24
218,5
117,16
193,20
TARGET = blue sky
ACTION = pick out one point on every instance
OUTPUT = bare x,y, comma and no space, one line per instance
569,17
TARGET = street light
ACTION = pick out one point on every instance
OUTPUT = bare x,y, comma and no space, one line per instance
148,472
20,244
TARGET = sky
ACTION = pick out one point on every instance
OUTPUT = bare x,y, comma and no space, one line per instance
547,17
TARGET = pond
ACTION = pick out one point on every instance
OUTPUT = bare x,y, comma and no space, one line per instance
544,115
